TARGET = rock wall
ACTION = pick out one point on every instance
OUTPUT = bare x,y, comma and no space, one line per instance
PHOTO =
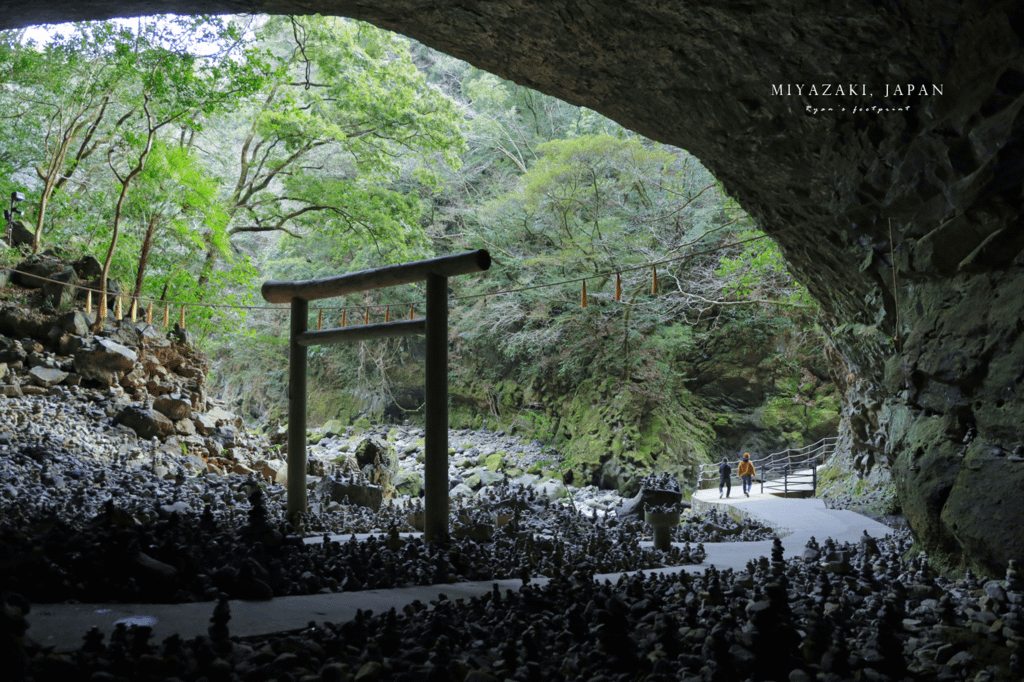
904,221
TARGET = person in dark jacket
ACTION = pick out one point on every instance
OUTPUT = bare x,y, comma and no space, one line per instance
724,478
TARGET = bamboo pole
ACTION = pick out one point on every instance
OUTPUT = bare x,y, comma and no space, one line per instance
654,279
134,310
88,302
167,315
320,321
583,295
344,314
117,310
149,313
618,287
181,318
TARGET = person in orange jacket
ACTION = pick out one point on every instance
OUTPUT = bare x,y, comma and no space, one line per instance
746,472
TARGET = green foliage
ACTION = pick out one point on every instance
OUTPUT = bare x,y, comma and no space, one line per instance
315,146
758,269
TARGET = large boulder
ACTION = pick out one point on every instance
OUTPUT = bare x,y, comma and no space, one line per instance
21,235
173,406
125,332
551,489
88,267
222,417
104,360
61,293
34,272
378,461
409,483
359,494
146,423
75,322
18,323
46,376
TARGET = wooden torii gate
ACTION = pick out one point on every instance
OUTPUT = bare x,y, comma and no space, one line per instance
435,272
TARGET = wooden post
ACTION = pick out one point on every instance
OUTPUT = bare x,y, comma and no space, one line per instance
149,313
435,473
297,413
88,302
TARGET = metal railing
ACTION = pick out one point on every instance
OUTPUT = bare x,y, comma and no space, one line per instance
780,472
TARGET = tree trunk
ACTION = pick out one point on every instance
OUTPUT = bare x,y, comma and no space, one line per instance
147,244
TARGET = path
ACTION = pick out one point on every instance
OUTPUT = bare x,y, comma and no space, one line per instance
63,625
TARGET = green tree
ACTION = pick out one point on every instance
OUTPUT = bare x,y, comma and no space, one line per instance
322,147
60,95
173,86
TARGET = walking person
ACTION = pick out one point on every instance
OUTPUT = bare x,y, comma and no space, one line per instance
746,472
724,478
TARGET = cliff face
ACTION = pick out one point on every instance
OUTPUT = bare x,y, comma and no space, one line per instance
904,221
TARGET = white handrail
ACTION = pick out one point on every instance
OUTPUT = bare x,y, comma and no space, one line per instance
793,457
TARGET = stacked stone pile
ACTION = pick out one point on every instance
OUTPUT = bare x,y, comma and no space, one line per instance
717,526
877,619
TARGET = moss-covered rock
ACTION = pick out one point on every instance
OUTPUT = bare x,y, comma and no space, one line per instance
334,427
494,461
408,483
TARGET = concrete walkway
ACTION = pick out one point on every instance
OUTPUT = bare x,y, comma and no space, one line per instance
796,520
